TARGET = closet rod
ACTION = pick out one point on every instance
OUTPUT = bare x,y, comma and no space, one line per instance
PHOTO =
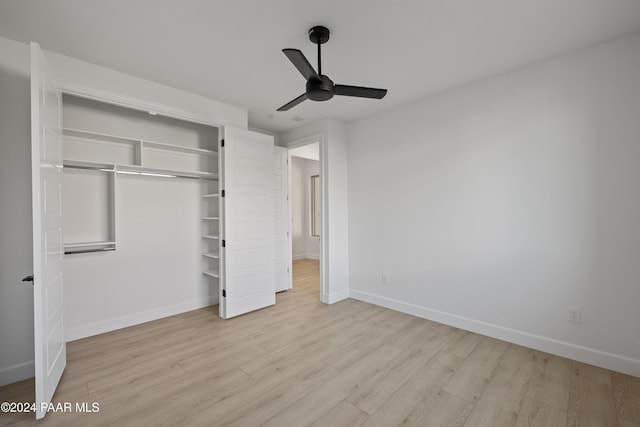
92,168
114,169
163,175
86,251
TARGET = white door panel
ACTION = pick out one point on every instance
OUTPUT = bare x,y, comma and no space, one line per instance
48,244
247,160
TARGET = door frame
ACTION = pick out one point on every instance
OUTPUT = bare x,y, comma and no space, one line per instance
319,138
287,196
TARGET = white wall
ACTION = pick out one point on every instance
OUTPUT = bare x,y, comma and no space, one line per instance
496,206
16,298
304,245
336,214
78,76
155,270
298,219
334,264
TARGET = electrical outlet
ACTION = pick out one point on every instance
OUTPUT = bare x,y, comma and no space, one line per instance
385,279
575,314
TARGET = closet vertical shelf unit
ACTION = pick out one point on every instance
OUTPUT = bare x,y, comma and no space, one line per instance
212,239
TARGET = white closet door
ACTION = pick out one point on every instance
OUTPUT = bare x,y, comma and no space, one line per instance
48,245
249,253
281,199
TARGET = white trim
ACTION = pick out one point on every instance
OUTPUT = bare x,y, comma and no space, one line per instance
17,372
137,318
306,256
338,296
321,139
580,353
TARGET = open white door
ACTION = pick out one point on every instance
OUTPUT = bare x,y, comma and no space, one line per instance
281,199
249,251
48,245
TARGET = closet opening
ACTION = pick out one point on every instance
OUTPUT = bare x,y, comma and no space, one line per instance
141,215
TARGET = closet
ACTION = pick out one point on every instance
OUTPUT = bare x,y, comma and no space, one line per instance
135,205
143,197
138,236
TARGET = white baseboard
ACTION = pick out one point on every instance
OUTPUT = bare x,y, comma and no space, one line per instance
306,256
335,297
614,362
97,328
15,373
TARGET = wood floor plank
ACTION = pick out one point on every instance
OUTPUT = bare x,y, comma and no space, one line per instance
462,343
387,380
310,407
269,404
470,379
274,363
501,399
344,414
374,338
348,335
296,332
445,410
412,402
591,373
232,356
626,391
179,399
270,393
536,414
550,381
133,377
591,402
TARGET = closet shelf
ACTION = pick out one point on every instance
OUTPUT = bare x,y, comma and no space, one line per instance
104,137
212,273
135,169
87,244
211,255
210,236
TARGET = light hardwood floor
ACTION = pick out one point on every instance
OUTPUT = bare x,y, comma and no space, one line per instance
303,363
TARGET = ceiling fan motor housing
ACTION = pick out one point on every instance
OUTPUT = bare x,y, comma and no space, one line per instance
319,34
320,89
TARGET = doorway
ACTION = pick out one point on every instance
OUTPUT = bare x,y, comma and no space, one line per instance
306,215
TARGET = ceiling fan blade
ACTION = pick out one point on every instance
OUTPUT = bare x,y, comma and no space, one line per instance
289,105
361,92
300,61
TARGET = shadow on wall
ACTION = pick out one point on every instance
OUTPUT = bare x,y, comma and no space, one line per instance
16,298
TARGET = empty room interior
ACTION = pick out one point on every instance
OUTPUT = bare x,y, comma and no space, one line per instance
296,213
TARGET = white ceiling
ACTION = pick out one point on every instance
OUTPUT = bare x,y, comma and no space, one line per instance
231,50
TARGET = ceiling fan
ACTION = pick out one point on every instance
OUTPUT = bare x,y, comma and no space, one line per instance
319,86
